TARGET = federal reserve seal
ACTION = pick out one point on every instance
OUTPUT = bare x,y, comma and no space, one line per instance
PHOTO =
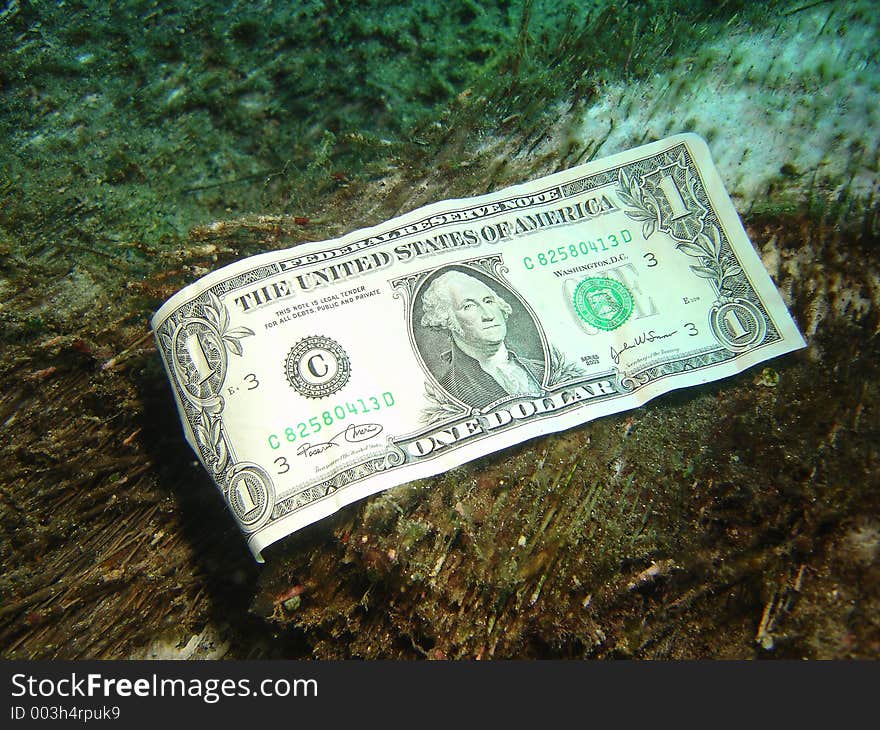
602,302
317,367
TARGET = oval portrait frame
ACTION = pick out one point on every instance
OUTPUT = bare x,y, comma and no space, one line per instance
525,336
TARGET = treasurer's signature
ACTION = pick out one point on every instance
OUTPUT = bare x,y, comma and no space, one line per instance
648,336
352,434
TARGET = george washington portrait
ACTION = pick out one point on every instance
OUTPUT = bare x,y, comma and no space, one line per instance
476,338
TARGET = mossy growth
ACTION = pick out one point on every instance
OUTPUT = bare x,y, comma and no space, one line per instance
172,117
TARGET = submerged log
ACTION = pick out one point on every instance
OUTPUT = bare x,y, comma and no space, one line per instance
732,520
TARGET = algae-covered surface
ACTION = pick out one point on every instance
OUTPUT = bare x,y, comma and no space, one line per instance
146,143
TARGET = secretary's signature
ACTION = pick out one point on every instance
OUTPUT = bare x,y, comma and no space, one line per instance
648,336
352,434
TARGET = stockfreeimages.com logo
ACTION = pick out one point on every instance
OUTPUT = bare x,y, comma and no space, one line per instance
208,690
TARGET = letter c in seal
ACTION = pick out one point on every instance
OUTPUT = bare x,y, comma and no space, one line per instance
317,367
313,370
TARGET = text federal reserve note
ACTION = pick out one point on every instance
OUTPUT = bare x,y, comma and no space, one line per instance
309,378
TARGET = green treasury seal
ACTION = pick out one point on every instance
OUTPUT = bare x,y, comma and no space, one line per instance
602,302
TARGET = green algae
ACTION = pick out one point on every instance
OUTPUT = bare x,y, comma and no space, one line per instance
140,122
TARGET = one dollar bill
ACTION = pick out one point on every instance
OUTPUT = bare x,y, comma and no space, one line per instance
310,378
